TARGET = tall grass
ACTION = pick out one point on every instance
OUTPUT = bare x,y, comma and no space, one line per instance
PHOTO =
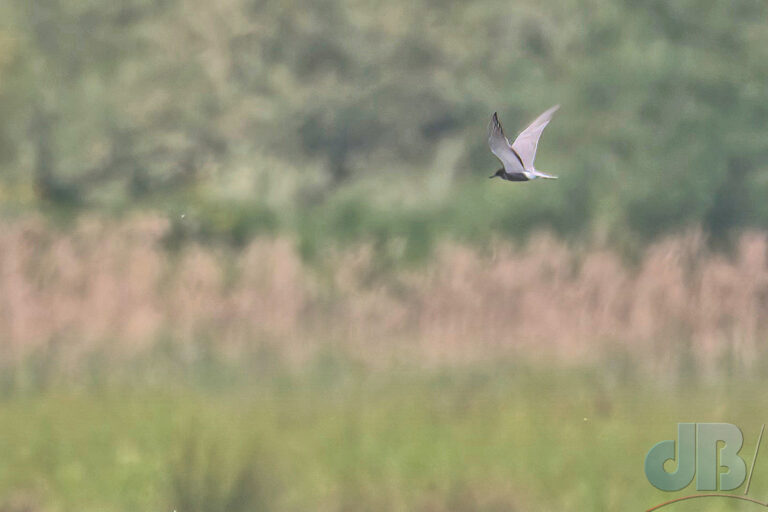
214,476
478,438
135,376
71,291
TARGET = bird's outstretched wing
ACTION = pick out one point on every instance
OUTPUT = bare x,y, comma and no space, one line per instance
525,144
501,148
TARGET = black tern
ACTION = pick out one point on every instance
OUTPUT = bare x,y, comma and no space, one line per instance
517,157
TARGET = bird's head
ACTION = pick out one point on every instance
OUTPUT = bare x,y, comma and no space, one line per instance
498,173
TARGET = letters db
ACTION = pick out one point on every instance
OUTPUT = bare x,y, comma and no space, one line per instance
697,454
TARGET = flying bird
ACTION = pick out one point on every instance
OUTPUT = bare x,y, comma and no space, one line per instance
517,157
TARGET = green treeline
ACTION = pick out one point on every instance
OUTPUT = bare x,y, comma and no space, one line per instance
357,119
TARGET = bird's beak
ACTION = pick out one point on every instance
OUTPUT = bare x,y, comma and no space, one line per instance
489,177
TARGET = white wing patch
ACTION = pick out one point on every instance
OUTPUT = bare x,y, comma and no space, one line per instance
526,143
501,148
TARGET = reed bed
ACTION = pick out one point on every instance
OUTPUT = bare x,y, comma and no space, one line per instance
112,283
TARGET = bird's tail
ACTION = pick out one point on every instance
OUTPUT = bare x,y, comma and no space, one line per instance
545,175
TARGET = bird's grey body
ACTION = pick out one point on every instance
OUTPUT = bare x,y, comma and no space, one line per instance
518,157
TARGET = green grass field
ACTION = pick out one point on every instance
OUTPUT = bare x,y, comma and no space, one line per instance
334,435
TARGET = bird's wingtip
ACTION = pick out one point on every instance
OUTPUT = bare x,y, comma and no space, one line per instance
494,123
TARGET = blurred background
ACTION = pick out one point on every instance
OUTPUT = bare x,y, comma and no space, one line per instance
250,259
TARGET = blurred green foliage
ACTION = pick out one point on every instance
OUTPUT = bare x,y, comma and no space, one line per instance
336,435
368,118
